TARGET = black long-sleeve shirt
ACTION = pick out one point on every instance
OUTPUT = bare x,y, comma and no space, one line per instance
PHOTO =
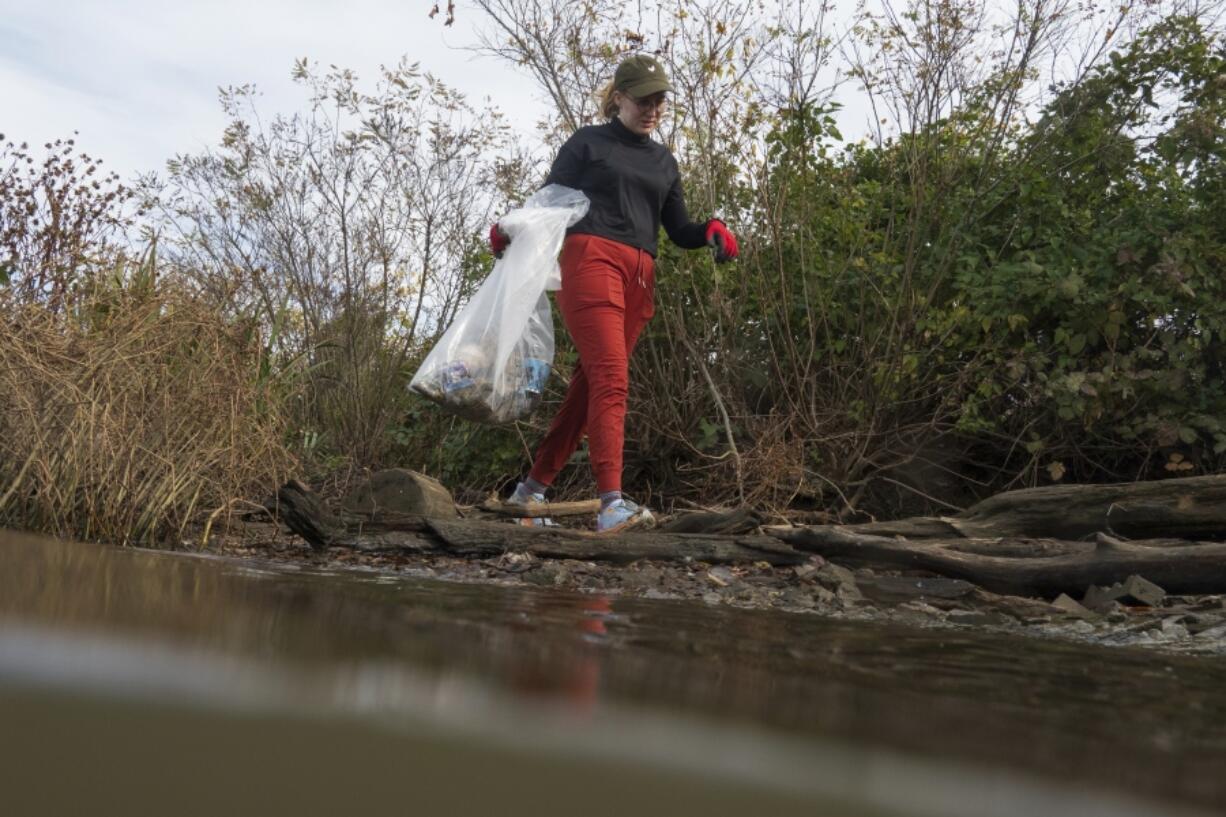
633,184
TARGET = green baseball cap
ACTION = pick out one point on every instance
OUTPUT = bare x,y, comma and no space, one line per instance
641,76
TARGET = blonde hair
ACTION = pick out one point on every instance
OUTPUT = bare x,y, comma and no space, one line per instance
604,98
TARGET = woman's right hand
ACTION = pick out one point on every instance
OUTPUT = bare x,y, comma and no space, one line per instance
499,241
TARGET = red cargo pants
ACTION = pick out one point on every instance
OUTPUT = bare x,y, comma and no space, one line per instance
606,299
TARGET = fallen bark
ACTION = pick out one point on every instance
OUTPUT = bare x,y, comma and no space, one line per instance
741,520
1189,568
1015,565
491,538
300,509
302,512
1189,508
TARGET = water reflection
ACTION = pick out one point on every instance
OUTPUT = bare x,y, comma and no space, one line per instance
589,674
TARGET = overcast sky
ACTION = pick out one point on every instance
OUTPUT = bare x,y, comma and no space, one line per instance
139,78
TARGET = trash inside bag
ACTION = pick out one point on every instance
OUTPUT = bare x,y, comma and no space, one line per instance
492,362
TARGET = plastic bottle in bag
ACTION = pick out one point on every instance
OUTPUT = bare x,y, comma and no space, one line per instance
492,363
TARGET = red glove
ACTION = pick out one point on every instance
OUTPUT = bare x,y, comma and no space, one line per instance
724,242
499,241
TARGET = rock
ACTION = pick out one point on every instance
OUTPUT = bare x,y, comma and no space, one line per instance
1133,590
823,596
1072,607
401,491
548,575
712,598
1213,633
841,581
834,576
1199,622
1137,590
974,617
644,577
805,571
656,593
796,597
921,607
1173,628
849,594
1097,598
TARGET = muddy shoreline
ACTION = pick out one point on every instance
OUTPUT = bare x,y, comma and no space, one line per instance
1194,625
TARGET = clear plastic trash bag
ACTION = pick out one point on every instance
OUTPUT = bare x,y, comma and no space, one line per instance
492,362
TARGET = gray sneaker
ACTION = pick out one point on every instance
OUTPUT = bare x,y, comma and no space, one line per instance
523,497
622,514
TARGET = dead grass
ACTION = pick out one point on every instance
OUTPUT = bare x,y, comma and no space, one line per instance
132,415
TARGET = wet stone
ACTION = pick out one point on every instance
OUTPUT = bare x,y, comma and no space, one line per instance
1133,590
973,617
805,571
644,577
920,607
1174,628
797,598
834,576
1213,633
1072,607
849,594
1199,622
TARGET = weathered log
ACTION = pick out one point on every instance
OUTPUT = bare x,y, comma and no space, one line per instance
300,509
402,491
305,515
1190,568
1186,508
915,527
470,538
740,520
893,589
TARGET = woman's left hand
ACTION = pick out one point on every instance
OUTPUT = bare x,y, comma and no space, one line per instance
722,239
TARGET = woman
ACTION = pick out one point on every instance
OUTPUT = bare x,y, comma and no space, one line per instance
608,264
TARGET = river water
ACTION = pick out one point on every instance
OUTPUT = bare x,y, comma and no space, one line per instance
136,682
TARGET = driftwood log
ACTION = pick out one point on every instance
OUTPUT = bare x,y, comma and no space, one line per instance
1185,568
1187,508
304,514
1002,545
466,538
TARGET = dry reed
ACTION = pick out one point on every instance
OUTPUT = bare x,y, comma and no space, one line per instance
132,415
